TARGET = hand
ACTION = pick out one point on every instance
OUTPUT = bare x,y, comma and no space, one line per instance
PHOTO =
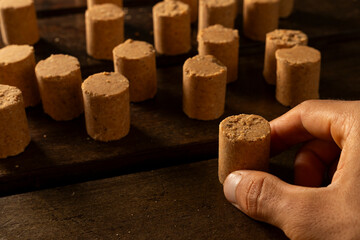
312,212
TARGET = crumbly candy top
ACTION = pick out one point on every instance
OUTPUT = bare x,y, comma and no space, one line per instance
245,127
105,84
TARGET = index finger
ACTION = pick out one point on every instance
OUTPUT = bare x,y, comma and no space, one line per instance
323,119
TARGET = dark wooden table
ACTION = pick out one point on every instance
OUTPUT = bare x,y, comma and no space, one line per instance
184,201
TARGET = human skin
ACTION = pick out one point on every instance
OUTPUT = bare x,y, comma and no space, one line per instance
331,132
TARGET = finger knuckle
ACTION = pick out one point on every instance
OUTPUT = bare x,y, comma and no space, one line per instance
344,124
308,103
254,196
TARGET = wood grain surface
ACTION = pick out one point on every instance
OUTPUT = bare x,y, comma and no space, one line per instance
183,202
161,135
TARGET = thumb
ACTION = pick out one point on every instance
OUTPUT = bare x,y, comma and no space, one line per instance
263,196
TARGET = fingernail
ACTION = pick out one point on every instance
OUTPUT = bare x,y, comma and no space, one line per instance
230,185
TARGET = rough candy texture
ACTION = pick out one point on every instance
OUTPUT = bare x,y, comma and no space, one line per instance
193,4
278,39
244,143
172,27
204,87
259,18
107,106
91,3
298,75
136,61
59,79
18,22
217,12
222,43
104,30
14,130
17,68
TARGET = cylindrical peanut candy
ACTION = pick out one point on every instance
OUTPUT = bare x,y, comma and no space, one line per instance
136,61
14,130
298,75
18,22
217,12
107,106
204,87
244,143
172,27
17,68
286,8
222,43
59,80
104,30
91,3
259,18
280,38
193,4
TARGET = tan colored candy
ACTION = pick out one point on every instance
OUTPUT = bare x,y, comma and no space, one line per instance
59,79
259,18
104,30
172,27
217,12
222,43
286,8
107,106
280,38
204,87
136,61
17,68
18,22
244,143
298,75
14,130
91,3
193,4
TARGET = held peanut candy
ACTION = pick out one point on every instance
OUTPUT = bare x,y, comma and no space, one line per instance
17,68
280,38
298,75
259,18
14,130
204,87
244,143
213,12
172,27
104,30
222,43
59,80
136,61
18,22
107,106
